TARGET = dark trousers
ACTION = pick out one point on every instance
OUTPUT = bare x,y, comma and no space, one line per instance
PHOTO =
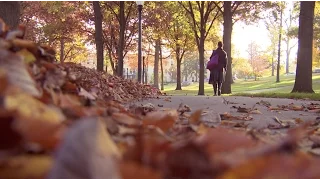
217,86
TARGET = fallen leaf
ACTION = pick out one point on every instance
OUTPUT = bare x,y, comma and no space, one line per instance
86,152
243,110
255,112
188,161
26,166
129,169
275,166
183,108
34,118
195,117
126,120
278,126
16,72
164,121
298,120
275,108
28,57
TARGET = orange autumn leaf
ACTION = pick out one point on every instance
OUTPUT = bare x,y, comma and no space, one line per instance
163,120
129,169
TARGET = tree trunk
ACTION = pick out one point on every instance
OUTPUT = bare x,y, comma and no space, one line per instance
178,59
146,73
186,76
197,73
156,65
111,61
287,58
122,24
143,69
279,48
178,87
272,62
288,42
303,81
10,13
61,50
161,66
98,34
201,64
227,31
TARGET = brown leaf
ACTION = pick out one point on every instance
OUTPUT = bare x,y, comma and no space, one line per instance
17,73
87,152
126,120
278,126
34,118
228,116
296,107
129,169
275,108
163,120
276,166
243,110
195,117
188,161
224,140
9,138
69,87
183,108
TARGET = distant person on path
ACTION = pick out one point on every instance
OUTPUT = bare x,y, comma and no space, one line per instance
216,73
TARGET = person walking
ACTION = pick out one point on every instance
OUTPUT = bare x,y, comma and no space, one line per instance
217,72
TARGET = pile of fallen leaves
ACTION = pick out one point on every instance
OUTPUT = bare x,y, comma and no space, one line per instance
65,121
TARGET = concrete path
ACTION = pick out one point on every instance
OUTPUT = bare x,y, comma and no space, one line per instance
230,103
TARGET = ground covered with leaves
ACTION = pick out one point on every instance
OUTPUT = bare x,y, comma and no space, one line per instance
67,121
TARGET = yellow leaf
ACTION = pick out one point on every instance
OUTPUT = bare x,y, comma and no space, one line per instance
28,57
35,120
26,166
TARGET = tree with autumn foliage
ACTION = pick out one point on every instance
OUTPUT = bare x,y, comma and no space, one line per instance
257,60
55,24
202,15
178,34
154,32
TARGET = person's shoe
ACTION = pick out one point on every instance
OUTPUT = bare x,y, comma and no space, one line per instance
215,95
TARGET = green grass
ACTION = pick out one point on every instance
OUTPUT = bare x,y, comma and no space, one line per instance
310,96
264,86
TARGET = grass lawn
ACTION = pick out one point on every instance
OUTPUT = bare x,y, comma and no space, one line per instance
265,87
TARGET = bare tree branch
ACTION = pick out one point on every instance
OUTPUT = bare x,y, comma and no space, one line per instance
215,17
112,10
236,4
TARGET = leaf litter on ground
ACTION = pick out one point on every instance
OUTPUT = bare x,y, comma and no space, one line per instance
62,120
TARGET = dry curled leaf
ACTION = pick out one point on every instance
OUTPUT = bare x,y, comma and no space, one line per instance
183,108
16,72
87,152
195,117
34,118
162,120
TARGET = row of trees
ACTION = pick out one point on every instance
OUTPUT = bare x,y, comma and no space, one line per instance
182,27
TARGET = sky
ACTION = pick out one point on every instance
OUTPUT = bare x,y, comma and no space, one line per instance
244,34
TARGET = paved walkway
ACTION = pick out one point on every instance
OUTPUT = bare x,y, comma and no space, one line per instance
229,104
